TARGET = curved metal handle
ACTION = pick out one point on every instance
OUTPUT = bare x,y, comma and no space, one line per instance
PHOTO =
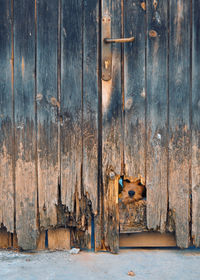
120,40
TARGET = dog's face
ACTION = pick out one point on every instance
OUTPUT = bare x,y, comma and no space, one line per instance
132,191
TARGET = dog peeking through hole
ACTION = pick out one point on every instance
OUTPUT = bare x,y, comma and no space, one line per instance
131,191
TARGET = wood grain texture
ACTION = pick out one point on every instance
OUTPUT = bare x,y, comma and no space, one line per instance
71,101
147,239
134,89
157,114
90,100
111,214
112,119
59,239
47,107
179,138
25,130
132,217
6,116
196,124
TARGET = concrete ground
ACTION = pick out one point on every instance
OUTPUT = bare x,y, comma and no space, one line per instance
146,264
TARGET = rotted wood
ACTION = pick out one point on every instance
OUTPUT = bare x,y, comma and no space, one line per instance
157,114
71,101
134,88
47,108
7,240
111,213
7,192
179,119
132,217
195,124
112,144
25,126
79,221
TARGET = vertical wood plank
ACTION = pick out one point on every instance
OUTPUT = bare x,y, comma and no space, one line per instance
134,88
90,101
196,124
112,116
6,115
47,106
111,208
157,108
179,138
25,130
71,100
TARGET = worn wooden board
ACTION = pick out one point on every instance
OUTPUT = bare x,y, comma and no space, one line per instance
132,217
47,108
41,241
147,239
179,125
25,129
111,214
71,100
157,114
134,88
112,116
59,239
196,124
90,100
6,118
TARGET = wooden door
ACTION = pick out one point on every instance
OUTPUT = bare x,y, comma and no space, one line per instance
149,118
68,135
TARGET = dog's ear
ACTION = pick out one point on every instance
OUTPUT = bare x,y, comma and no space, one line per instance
144,192
127,180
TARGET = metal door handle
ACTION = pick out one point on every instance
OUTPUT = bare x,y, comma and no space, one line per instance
119,40
106,41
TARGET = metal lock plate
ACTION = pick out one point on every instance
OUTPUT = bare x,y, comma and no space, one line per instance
106,49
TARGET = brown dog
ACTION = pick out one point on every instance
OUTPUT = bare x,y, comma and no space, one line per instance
132,191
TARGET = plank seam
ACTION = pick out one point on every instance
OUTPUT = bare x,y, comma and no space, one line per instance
36,118
190,123
59,98
13,117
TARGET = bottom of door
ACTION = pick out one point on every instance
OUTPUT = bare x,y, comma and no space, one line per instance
147,239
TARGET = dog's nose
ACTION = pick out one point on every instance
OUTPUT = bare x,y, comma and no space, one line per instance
131,193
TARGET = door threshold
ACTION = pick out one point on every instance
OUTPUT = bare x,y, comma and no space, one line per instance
146,240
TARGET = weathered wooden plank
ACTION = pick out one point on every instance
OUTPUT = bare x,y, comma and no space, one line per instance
179,130
111,214
134,88
112,121
132,217
147,239
59,239
25,131
157,114
47,106
90,101
71,100
41,241
6,118
196,124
